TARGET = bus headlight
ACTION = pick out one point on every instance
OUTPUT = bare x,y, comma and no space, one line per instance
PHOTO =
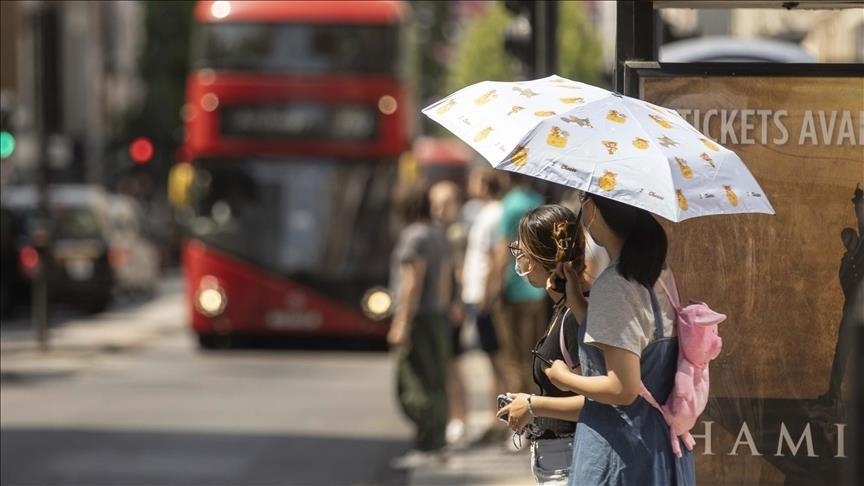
211,299
220,9
377,303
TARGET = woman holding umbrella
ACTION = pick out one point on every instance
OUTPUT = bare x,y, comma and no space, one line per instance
623,342
650,159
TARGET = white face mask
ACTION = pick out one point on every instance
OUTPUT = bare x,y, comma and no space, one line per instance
520,272
587,227
595,254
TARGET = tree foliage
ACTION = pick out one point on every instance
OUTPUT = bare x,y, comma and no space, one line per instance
480,54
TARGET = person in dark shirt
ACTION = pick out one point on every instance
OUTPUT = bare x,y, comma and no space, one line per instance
419,332
548,239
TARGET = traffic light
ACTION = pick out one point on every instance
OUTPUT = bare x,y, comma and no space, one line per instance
7,138
7,144
141,150
532,36
519,35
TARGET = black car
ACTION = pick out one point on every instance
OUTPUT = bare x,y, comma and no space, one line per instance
13,287
78,270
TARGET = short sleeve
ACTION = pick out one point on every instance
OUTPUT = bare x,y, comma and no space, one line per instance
411,245
491,232
509,223
616,314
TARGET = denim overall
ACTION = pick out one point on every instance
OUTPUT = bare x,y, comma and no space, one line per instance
629,445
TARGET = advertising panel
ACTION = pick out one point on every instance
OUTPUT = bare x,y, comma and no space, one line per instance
790,283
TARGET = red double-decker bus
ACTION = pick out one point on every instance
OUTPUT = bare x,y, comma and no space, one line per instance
296,116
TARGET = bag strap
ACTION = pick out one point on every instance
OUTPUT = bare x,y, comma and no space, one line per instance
673,296
658,317
567,358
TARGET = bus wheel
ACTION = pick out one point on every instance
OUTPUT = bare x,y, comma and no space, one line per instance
214,341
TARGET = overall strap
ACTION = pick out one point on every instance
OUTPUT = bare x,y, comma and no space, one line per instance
658,318
658,333
567,358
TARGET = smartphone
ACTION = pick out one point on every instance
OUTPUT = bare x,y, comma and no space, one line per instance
502,401
542,358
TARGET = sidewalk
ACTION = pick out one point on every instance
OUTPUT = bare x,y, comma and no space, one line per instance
487,464
75,340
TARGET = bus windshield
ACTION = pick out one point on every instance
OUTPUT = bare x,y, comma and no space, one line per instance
296,48
310,219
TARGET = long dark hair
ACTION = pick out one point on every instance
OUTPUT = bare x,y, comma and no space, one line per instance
644,250
551,234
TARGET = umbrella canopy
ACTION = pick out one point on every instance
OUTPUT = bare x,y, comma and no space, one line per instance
601,142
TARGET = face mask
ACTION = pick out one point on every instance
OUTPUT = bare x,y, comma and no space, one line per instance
587,227
520,272
595,254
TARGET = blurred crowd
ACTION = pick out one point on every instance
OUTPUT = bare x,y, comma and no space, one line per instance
466,295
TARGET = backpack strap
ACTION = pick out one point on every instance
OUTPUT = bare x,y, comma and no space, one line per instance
564,352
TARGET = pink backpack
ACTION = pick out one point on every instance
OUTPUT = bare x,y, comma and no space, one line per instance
698,344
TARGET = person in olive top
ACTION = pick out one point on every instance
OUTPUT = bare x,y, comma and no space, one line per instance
548,238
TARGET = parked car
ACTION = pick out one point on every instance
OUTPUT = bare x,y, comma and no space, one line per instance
133,256
78,270
13,287
732,49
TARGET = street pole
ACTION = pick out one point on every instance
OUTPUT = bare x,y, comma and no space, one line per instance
634,37
545,36
41,233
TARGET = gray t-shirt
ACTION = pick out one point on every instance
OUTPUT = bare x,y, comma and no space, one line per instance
429,242
620,312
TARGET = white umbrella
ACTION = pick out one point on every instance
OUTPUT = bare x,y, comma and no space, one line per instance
601,142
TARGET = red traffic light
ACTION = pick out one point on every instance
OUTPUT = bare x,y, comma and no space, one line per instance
141,150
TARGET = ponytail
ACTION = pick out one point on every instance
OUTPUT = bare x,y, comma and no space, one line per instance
643,253
550,234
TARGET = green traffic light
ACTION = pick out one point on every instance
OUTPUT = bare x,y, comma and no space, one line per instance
7,144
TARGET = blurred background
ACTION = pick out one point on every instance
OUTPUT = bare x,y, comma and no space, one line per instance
180,177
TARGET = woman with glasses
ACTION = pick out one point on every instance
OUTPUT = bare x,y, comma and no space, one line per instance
625,340
549,242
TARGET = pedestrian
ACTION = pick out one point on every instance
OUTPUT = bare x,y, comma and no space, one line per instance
445,199
486,186
549,237
520,312
624,342
419,332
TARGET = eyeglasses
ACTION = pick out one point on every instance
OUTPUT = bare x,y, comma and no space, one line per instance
514,249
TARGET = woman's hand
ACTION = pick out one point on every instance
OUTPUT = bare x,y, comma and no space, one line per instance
550,285
575,298
517,411
556,372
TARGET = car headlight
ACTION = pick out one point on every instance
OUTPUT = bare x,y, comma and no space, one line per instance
211,299
377,303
